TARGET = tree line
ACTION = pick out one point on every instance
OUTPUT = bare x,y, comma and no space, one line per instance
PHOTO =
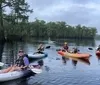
41,29
16,24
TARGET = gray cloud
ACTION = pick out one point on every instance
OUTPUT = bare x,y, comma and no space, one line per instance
85,12
74,16
41,4
81,1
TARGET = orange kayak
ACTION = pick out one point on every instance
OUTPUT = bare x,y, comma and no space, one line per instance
75,55
83,60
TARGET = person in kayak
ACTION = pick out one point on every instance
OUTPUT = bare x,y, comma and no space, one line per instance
40,49
75,50
21,63
65,46
98,48
23,59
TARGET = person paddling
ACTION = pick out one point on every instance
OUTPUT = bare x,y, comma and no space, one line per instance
23,59
75,50
65,47
40,49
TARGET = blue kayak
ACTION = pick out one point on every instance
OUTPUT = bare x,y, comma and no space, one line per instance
37,55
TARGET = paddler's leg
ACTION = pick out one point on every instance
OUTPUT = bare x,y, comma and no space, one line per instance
15,68
12,69
6,70
64,59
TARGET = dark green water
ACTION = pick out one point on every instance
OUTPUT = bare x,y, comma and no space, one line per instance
55,72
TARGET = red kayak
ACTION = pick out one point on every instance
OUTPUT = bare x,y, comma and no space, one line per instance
98,53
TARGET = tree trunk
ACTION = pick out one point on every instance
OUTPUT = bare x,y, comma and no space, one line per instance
2,34
1,49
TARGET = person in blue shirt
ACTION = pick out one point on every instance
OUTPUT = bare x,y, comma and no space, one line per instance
23,59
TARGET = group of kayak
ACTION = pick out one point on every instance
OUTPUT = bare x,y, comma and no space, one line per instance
74,54
22,66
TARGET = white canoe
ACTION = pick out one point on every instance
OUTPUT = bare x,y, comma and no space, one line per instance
37,55
18,74
14,75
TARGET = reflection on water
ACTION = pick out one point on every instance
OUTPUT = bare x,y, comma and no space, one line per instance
64,60
75,60
98,57
40,62
47,68
21,81
55,69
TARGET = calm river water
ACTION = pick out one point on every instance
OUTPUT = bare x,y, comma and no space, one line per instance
55,72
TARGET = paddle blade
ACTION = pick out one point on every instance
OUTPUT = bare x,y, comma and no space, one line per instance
47,47
90,48
36,70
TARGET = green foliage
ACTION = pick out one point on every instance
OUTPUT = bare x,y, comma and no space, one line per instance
19,10
41,29
16,24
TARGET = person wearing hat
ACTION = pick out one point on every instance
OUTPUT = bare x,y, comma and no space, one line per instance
65,46
23,59
21,63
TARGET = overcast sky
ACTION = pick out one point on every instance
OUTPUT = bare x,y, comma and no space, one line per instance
73,12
